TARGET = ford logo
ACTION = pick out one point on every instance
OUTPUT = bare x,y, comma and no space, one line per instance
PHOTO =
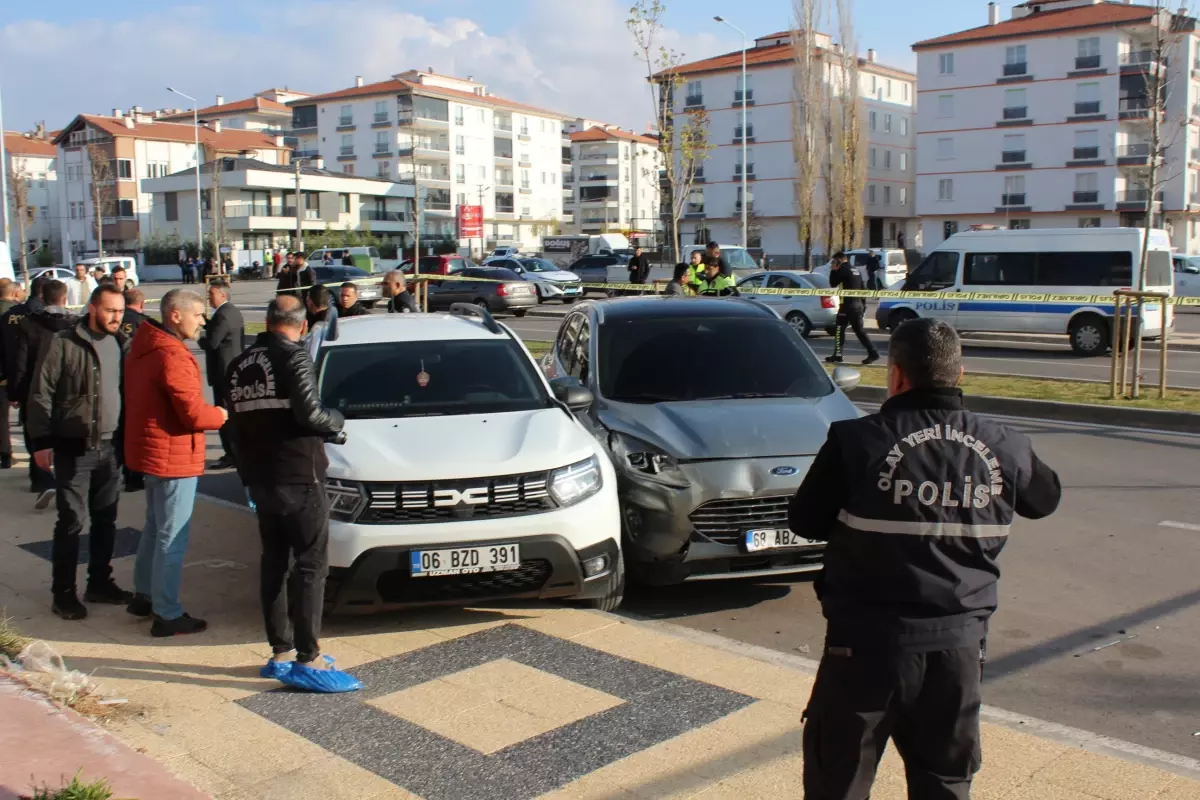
784,471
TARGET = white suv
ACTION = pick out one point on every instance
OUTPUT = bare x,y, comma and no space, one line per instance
465,475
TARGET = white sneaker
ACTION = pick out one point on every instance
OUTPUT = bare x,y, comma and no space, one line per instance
45,499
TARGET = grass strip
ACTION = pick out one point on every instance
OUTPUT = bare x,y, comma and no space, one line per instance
12,641
75,790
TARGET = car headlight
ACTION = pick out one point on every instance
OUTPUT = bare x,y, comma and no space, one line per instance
646,460
577,482
347,499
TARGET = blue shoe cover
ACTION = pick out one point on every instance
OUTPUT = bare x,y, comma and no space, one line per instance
275,670
325,681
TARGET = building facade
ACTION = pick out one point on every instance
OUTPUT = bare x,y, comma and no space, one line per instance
266,112
455,143
31,160
253,204
1044,120
713,210
612,185
134,147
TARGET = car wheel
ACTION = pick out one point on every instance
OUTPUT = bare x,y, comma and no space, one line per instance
799,323
482,302
1089,335
615,592
538,290
520,312
900,315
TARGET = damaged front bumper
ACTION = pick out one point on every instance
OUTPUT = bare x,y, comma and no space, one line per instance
676,532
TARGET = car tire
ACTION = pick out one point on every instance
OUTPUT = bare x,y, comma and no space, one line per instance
799,323
899,316
482,303
520,312
1089,335
615,592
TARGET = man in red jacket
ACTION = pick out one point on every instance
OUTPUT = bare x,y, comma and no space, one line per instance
166,417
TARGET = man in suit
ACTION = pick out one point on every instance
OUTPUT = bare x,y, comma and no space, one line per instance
221,343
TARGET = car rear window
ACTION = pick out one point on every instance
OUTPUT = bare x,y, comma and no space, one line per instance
671,360
384,380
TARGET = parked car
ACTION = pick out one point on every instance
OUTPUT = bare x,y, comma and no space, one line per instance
446,264
108,263
594,269
502,291
54,273
1187,275
365,258
804,313
465,477
368,293
893,262
707,458
550,282
506,252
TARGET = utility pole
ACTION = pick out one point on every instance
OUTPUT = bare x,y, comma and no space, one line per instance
482,189
416,208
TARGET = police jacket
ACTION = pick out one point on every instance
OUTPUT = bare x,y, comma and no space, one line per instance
277,424
34,334
721,286
916,502
847,277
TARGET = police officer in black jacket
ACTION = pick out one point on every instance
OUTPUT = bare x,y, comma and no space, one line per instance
916,503
10,333
850,310
279,428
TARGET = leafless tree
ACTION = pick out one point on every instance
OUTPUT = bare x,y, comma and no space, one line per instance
809,117
103,189
18,189
851,143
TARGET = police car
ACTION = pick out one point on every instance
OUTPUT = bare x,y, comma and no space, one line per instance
465,475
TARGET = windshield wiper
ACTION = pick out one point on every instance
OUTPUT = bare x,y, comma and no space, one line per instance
745,396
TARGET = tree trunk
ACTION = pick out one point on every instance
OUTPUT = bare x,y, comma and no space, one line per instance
97,212
24,246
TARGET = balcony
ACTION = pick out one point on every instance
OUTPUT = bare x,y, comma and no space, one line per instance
1012,158
741,98
1016,112
737,134
376,215
503,153
1009,200
694,210
1133,155
737,207
1196,111
698,178
1141,61
345,124
1085,198
695,101
737,172
382,149
425,118
299,154
1088,109
1016,69
346,153
381,120
1135,199
1194,155
1137,107
1083,63
1085,153
502,128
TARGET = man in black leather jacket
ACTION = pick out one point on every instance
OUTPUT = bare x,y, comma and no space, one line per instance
279,428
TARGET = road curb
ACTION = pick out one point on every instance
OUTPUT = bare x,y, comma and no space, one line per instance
1152,419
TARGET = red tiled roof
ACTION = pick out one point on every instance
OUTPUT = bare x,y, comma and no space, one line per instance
773,35
760,57
256,104
395,85
229,139
598,134
1101,15
20,144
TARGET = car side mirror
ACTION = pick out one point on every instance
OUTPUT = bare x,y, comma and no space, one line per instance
571,393
519,270
1192,270
846,378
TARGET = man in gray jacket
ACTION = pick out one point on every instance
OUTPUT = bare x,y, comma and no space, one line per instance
75,407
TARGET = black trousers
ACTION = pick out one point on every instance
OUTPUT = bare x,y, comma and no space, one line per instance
39,479
927,703
293,521
88,484
853,319
874,281
5,433
221,398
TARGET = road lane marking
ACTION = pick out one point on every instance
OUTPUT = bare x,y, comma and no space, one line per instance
1183,526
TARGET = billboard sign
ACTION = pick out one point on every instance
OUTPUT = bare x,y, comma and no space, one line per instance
470,222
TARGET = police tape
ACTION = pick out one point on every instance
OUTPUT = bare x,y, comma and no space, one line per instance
866,294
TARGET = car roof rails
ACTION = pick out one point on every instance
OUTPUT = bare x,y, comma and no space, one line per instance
472,310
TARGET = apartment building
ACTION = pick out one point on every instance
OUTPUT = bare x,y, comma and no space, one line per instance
135,146
612,185
266,112
1044,120
31,160
456,143
714,207
256,203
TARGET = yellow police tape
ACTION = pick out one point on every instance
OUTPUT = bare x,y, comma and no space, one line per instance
876,294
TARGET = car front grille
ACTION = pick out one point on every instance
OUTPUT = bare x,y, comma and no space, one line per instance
455,501
398,586
725,521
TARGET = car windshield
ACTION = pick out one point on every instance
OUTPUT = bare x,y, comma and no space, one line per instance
539,265
677,359
737,258
390,380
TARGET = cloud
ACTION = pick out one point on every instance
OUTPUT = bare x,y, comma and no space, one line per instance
575,58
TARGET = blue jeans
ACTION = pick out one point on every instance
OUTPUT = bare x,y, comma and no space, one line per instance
158,570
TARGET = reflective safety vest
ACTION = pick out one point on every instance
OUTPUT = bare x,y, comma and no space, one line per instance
720,285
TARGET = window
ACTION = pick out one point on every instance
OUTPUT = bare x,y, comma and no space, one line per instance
746,92
383,169
1014,104
458,115
1088,54
347,144
871,159
903,195
871,193
904,124
1014,191
889,87
1085,269
381,111
1087,98
946,189
1014,149
1086,187
945,148
348,169
945,105
939,269
737,128
483,174
347,116
887,159
460,173
1000,269
460,145
873,121
344,203
124,169
887,123
694,95
382,145
481,114
903,162
1018,224
887,195
946,63
1014,60
904,92
524,179
874,85
1087,145
124,208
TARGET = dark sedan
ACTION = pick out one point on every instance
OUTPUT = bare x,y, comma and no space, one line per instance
501,290
336,274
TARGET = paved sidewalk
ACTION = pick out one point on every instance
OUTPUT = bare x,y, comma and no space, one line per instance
517,702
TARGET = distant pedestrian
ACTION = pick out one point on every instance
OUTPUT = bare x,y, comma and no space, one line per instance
75,412
901,240
639,266
322,320
167,417
850,310
874,265
221,342
10,335
276,261
80,288
347,259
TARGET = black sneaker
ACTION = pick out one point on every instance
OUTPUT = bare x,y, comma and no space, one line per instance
108,594
140,606
833,360
5,459
180,626
871,359
68,606
224,462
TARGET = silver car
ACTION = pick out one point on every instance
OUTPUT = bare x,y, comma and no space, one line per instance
551,281
804,313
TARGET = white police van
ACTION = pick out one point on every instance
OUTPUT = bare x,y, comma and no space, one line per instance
1063,262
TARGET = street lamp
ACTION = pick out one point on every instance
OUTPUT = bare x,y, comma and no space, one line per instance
745,137
482,241
199,160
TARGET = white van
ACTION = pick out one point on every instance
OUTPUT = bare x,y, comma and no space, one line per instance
365,258
109,263
894,263
1063,262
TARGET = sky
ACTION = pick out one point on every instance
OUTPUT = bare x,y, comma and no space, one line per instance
576,57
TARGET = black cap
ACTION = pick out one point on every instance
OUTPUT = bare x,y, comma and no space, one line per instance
711,245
